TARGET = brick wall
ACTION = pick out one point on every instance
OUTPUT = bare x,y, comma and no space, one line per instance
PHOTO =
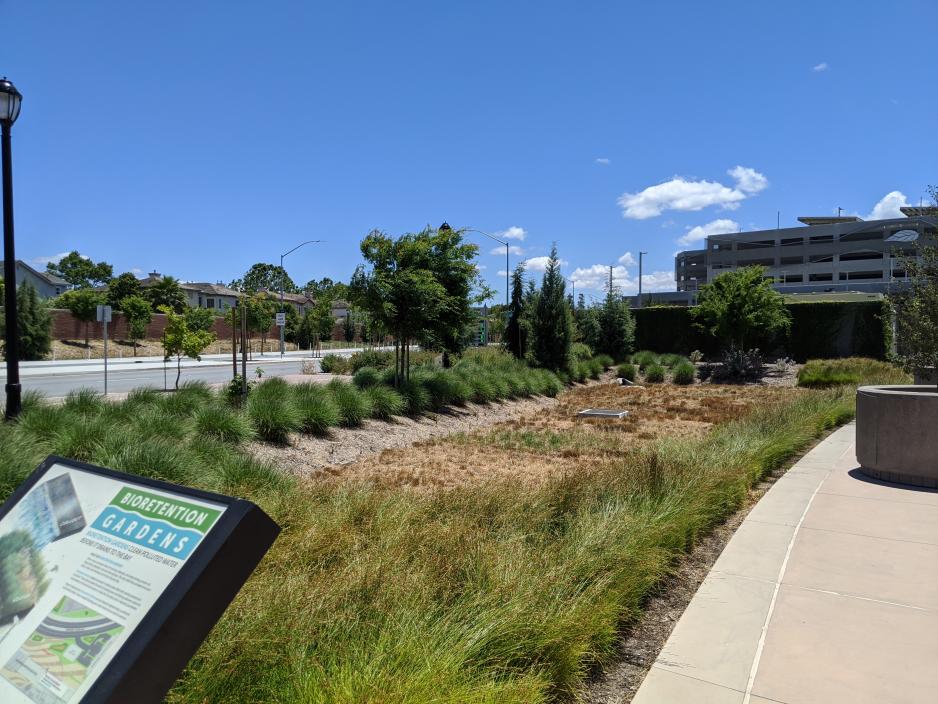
66,327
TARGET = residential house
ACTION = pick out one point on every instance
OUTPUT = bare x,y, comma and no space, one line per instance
47,285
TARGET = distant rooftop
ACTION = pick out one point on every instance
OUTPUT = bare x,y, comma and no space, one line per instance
828,219
913,211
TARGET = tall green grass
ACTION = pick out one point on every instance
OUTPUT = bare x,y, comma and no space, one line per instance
824,373
489,593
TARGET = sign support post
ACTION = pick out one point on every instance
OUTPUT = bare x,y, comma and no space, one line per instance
104,316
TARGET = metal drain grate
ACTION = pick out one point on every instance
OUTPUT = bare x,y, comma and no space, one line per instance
602,413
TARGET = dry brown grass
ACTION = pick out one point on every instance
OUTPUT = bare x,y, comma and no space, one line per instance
553,441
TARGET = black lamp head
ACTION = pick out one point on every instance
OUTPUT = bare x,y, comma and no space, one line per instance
10,102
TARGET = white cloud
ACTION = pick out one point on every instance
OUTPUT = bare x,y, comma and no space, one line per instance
720,226
596,278
818,68
512,233
628,260
888,206
683,194
136,271
603,160
54,259
512,249
539,264
748,180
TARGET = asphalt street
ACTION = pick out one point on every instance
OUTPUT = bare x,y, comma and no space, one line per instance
122,380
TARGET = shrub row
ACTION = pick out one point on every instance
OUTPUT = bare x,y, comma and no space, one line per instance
818,330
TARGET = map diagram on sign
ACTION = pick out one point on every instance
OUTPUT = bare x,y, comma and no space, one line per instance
55,659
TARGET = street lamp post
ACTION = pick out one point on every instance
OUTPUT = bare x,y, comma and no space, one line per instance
10,101
445,226
282,274
640,256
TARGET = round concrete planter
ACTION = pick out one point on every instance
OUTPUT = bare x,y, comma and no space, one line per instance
897,433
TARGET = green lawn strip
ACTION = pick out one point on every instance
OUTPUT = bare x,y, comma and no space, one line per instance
488,593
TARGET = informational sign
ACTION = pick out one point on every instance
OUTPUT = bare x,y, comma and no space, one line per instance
104,313
109,582
281,319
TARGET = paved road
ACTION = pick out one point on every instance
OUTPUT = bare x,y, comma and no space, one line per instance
124,380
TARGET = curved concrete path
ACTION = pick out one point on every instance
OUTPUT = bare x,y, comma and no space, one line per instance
827,593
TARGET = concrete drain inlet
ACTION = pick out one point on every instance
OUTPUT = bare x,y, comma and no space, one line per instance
602,413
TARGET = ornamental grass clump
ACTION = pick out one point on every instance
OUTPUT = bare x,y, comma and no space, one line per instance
824,373
385,402
644,358
222,423
272,412
654,374
683,373
626,371
317,407
354,406
366,377
416,397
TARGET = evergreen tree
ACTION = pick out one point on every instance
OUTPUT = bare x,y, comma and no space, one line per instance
121,287
552,323
515,334
33,324
616,325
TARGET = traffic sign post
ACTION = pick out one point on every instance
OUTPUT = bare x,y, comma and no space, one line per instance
104,316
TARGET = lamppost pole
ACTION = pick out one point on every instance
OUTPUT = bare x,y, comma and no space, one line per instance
10,100
640,255
282,274
507,263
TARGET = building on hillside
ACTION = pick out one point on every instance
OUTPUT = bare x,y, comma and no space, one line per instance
213,296
827,254
340,310
47,285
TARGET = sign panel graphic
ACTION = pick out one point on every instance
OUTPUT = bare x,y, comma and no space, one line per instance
83,559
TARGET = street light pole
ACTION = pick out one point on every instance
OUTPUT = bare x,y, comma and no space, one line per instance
282,274
10,101
445,226
640,255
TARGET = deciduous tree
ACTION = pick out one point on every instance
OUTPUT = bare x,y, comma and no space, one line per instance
265,277
179,341
121,287
83,304
916,312
81,271
139,313
740,308
166,293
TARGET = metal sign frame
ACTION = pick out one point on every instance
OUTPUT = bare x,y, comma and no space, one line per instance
167,637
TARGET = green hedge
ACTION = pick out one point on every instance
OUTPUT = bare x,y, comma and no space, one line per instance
818,330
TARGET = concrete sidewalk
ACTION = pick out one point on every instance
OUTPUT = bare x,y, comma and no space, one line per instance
827,593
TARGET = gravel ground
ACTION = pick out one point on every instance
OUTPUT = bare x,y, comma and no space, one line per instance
307,455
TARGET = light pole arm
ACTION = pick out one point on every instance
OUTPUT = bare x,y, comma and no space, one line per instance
507,267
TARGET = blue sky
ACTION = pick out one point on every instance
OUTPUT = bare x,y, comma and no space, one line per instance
196,138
